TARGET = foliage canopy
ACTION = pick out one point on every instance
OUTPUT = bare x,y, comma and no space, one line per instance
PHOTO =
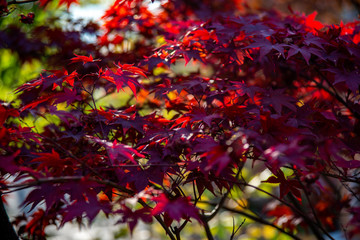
214,95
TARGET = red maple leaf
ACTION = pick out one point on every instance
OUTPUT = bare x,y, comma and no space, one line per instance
351,79
118,152
8,164
52,162
131,68
267,46
131,217
67,96
312,23
35,103
83,59
5,113
40,194
68,2
277,99
177,209
305,51
286,185
124,75
218,158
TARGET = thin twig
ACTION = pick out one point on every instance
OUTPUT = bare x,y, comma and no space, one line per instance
295,207
162,223
235,231
213,213
255,218
313,210
309,222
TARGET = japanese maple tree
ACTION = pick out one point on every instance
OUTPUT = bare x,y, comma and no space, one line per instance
212,94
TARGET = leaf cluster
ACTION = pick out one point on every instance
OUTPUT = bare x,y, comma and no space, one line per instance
270,95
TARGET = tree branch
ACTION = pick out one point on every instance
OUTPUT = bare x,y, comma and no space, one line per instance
296,208
21,2
207,228
256,219
162,223
65,179
6,228
310,223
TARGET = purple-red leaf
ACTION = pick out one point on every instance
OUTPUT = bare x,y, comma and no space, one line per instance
180,208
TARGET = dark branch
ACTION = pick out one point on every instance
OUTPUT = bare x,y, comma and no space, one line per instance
21,2
6,228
